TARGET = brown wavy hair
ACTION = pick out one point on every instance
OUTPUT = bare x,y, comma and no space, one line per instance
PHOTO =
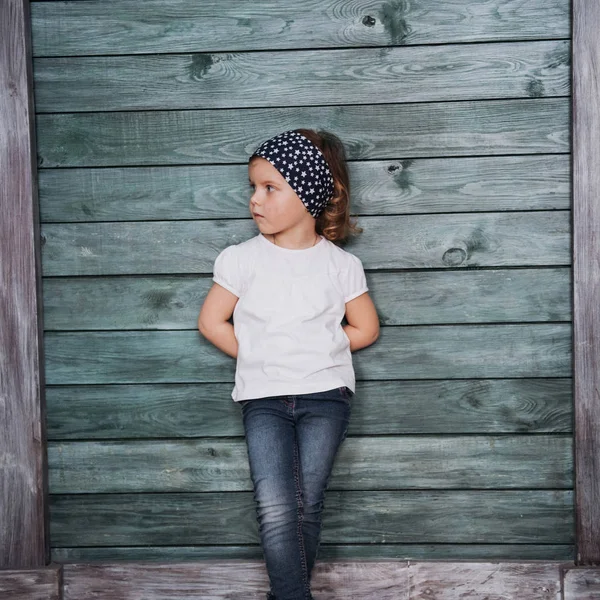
335,222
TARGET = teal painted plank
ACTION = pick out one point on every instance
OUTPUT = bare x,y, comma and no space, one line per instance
356,517
437,297
303,78
410,352
379,407
535,182
431,129
392,242
474,552
471,296
126,26
363,463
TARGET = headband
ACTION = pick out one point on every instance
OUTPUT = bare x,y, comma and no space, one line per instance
303,166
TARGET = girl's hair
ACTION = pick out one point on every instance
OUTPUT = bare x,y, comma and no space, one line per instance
334,223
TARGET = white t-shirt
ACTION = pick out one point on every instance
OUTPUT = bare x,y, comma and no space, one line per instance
287,320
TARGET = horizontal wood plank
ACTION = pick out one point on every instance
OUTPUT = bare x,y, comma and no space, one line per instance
353,517
379,407
411,352
303,78
456,581
387,131
93,27
562,552
537,238
389,579
239,580
43,583
363,463
485,183
437,297
344,580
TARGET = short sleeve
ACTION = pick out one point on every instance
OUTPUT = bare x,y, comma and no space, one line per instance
354,281
226,271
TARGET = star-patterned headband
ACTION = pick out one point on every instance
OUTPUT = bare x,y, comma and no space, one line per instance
303,166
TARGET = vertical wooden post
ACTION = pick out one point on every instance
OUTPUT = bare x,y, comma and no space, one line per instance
586,275
23,480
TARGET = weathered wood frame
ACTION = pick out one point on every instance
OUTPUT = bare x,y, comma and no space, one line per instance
23,480
586,276
24,544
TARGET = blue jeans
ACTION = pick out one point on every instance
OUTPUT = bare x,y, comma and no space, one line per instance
292,442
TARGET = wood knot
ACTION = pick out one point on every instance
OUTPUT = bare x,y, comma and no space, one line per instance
535,88
454,257
200,65
369,21
392,16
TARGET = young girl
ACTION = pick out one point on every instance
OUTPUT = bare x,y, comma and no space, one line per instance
288,289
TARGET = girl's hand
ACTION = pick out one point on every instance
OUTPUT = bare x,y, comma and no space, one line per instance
363,322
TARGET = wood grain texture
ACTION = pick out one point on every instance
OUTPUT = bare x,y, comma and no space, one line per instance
32,584
363,463
582,584
411,352
90,27
173,302
303,78
181,93
211,580
492,581
352,517
389,131
346,580
586,277
92,554
540,238
379,407
23,539
485,183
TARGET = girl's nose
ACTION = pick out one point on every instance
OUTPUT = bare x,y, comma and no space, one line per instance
253,200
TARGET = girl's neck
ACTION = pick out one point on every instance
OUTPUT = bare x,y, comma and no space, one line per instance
272,237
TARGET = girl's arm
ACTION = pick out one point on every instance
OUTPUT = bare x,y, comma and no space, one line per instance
363,322
213,321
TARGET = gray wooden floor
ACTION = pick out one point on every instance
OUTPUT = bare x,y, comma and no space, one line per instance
232,580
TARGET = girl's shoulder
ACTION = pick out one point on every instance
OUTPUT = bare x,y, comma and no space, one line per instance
350,272
342,258
234,265
241,249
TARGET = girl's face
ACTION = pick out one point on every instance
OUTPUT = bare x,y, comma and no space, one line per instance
274,205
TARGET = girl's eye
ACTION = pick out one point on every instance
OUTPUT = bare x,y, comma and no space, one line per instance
270,188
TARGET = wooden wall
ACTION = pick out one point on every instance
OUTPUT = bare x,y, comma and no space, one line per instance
456,119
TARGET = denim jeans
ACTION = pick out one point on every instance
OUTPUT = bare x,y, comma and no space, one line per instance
292,442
